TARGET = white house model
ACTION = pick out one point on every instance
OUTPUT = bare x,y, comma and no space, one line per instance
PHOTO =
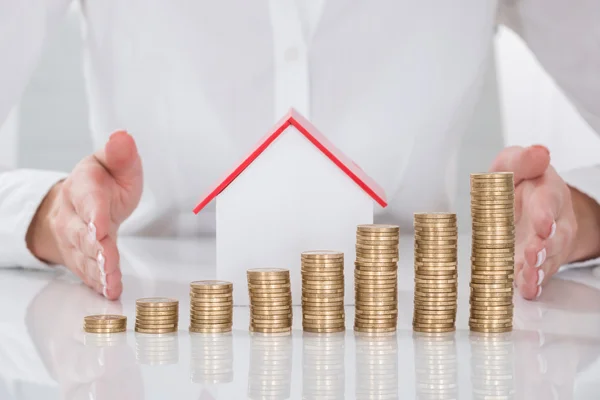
294,192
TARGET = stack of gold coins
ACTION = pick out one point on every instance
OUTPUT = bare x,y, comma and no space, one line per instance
323,291
493,252
270,300
211,306
156,315
376,278
105,323
435,272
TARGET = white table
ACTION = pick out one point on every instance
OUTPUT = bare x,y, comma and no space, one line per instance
552,354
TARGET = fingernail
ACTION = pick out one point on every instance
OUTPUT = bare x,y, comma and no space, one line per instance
541,147
105,292
542,364
552,230
539,292
101,260
541,275
91,232
542,338
541,257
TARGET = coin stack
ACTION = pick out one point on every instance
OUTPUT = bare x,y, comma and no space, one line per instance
436,366
377,367
323,291
211,306
436,239
376,278
105,323
270,300
493,252
156,315
270,370
323,366
211,359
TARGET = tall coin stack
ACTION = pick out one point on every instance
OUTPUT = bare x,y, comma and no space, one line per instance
323,291
493,252
211,306
376,278
105,323
156,315
436,239
270,300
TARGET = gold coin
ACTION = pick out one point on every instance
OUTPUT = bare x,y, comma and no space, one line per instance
489,324
488,286
492,330
375,325
374,330
485,176
434,322
387,243
155,331
211,285
276,273
271,326
480,308
492,292
106,318
324,330
433,330
380,299
377,236
195,329
282,281
322,254
268,286
427,286
378,228
157,317
270,303
330,323
434,215
435,308
157,302
483,315
105,330
270,330
210,317
434,304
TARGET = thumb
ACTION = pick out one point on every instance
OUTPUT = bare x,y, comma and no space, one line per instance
121,159
525,162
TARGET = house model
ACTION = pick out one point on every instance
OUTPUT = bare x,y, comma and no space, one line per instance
294,192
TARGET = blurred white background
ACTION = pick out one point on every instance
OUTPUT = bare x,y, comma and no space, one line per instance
52,115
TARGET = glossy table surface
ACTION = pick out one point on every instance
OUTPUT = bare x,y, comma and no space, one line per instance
553,352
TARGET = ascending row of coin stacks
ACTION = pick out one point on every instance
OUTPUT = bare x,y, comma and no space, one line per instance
436,239
493,251
376,278
156,315
211,306
323,291
103,324
270,300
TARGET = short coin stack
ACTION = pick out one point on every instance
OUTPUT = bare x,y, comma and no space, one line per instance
156,315
435,272
323,291
211,306
376,278
270,300
105,323
493,252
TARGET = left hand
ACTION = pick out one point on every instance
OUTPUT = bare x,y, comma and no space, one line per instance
545,221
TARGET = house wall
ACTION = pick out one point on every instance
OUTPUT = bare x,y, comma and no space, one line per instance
291,199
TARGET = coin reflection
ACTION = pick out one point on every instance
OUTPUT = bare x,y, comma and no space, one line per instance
323,373
160,349
211,358
436,366
492,366
270,371
376,366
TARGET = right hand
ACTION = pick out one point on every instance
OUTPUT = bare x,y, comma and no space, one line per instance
77,223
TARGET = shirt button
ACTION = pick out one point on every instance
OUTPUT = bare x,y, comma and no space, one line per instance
291,54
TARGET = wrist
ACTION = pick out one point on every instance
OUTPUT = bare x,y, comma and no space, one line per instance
586,244
40,237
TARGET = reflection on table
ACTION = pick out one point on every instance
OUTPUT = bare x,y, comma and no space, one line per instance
323,369
492,366
211,360
376,366
436,366
270,369
157,349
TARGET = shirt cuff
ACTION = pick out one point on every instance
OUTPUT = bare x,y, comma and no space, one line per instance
21,193
586,180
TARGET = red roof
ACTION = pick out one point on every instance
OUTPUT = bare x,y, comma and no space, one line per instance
304,126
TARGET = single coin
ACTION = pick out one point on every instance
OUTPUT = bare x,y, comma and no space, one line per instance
153,302
377,228
195,329
155,331
211,285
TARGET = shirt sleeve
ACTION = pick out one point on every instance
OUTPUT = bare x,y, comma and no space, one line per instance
24,25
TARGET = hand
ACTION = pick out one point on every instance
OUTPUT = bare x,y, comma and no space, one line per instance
76,224
545,219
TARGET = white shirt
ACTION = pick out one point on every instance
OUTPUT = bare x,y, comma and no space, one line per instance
391,83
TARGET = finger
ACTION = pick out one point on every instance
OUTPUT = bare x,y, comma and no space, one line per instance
109,261
544,209
121,159
525,162
526,283
560,239
535,253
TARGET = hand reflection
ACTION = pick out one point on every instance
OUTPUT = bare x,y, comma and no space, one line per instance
270,370
323,374
85,366
376,366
